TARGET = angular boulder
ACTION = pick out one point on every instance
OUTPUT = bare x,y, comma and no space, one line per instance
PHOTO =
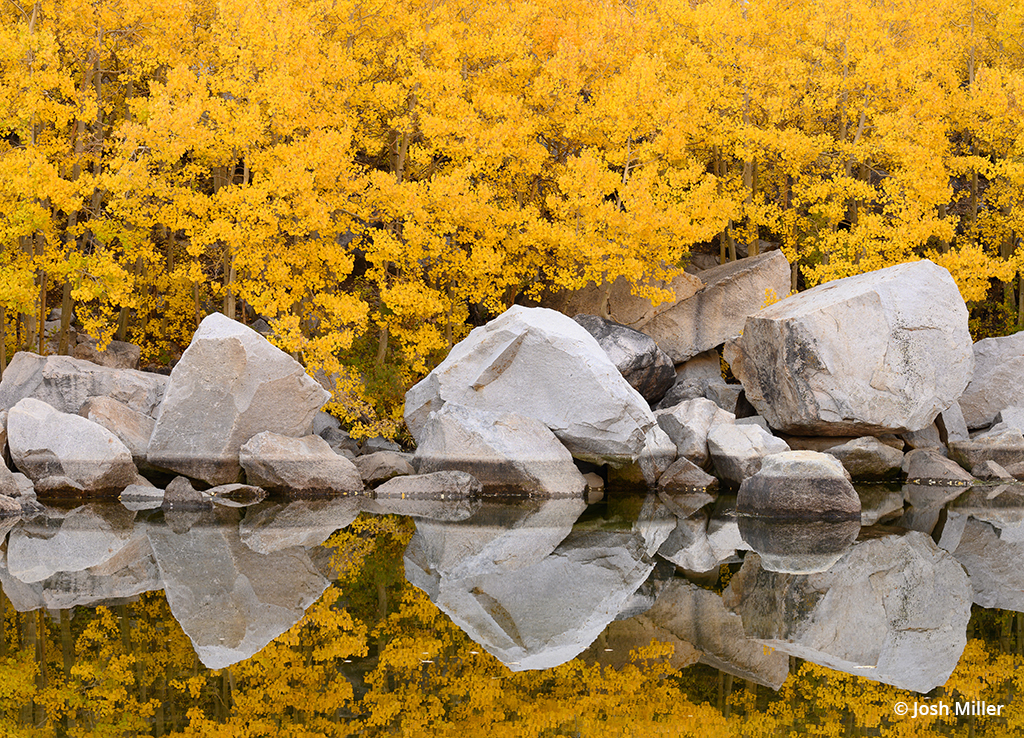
437,485
737,450
302,465
505,451
117,354
995,384
229,385
880,352
66,383
131,427
47,443
688,425
731,292
543,365
868,458
647,368
622,304
381,466
893,609
799,485
1005,446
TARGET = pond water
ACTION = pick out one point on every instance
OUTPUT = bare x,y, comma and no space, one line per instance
355,616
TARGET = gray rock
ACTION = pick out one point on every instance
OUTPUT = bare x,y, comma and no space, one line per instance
496,540
688,425
339,441
299,465
131,427
383,465
502,450
438,485
990,470
230,600
377,444
893,609
322,421
824,443
85,537
117,354
1004,446
66,383
1012,417
15,484
699,617
880,352
926,465
685,476
543,365
731,292
47,443
657,457
998,364
952,425
270,527
799,484
868,458
181,495
926,505
928,437
646,367
624,306
737,450
1000,505
726,396
229,385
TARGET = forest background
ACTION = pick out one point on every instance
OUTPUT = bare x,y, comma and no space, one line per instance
373,178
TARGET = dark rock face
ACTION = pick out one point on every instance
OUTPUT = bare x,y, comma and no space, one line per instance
646,367
798,547
799,484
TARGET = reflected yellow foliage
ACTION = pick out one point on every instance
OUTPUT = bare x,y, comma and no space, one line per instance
365,663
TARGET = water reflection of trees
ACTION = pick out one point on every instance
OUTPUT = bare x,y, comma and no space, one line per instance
375,657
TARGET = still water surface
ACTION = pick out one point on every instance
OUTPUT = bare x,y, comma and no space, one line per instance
356,616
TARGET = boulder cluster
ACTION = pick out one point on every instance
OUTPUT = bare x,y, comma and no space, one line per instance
869,377
234,409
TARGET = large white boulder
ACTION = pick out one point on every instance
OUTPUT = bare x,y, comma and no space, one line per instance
66,383
539,363
880,352
46,443
501,449
229,385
